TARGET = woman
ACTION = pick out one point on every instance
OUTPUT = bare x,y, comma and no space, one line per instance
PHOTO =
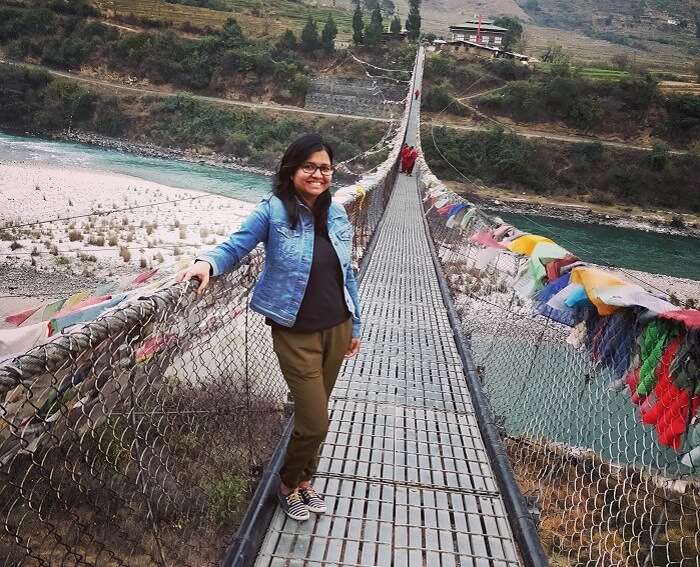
308,294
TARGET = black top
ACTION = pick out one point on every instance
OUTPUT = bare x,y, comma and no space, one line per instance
323,305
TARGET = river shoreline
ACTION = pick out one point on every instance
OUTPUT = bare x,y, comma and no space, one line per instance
504,203
498,201
154,151
141,149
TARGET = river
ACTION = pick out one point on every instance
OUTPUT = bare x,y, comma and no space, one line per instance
651,252
626,248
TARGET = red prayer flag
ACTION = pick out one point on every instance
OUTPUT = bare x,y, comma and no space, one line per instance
18,318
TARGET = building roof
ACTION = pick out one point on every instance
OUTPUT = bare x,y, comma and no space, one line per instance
473,44
475,25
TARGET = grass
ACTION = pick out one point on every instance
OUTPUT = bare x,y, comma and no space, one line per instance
595,73
258,19
227,496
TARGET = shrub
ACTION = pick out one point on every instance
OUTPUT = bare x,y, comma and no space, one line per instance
75,235
125,253
589,152
437,99
683,115
227,497
659,157
109,119
677,222
96,240
15,246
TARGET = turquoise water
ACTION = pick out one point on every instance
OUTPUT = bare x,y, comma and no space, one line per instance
625,248
237,184
633,249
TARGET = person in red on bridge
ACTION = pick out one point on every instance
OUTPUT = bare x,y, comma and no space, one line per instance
409,160
405,150
417,93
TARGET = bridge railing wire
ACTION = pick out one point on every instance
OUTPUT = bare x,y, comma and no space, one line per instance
138,438
603,487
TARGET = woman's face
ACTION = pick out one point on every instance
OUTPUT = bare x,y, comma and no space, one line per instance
311,185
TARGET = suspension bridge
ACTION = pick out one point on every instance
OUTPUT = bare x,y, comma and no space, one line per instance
151,435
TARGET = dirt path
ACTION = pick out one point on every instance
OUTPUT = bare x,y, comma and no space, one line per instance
215,100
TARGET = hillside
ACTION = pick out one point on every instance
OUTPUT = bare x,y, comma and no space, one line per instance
438,15
599,29
259,19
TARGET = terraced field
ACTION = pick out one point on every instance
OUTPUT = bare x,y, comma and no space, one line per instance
596,73
259,19
596,51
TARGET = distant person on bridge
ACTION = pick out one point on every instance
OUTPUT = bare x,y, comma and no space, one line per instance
417,93
308,294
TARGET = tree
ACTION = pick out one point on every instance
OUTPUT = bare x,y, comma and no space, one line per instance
696,68
231,34
621,61
373,35
413,20
310,41
696,16
515,30
358,25
395,25
659,157
287,42
328,35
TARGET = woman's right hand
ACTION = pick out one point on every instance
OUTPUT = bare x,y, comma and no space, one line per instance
199,270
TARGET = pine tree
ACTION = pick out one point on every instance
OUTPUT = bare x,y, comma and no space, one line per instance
328,35
396,25
309,37
374,31
288,41
358,25
413,20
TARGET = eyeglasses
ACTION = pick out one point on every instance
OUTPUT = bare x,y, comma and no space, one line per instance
311,168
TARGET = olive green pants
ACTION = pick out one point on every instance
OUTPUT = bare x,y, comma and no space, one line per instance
310,363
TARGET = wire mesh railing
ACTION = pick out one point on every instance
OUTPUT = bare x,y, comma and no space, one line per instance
608,460
138,438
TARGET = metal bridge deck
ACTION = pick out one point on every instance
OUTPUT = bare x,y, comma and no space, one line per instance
403,470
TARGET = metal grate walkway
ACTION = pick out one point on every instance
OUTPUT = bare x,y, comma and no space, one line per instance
404,470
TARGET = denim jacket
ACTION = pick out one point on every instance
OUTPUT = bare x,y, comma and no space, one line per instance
288,255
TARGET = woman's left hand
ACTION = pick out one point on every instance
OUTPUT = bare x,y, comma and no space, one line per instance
353,348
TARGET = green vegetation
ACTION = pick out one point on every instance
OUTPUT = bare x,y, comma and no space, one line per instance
593,73
330,31
32,101
589,100
683,122
358,25
589,172
515,31
310,41
290,13
227,498
373,33
221,61
413,21
439,99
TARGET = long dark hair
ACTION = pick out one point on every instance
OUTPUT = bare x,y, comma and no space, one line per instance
296,155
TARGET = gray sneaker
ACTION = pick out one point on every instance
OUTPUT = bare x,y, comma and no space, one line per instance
293,505
313,500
